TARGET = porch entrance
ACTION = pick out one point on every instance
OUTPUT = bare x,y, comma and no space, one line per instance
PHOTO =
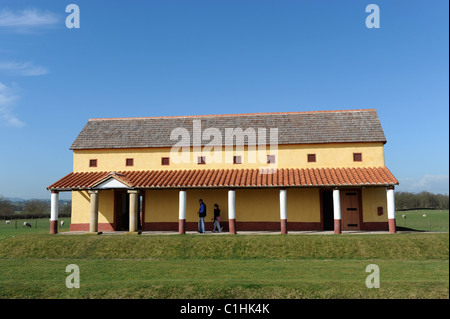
122,210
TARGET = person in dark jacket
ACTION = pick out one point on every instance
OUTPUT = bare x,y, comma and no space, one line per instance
217,219
201,215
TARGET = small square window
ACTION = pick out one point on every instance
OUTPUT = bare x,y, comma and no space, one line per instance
357,157
270,159
311,158
129,162
201,160
165,161
93,163
380,211
237,159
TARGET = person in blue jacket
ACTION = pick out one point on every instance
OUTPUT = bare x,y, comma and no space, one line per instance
202,215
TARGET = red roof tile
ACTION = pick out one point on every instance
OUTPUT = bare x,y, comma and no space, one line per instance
220,178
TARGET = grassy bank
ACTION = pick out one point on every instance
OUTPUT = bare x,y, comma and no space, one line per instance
391,247
412,265
192,266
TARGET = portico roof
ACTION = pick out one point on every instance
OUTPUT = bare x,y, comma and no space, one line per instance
231,178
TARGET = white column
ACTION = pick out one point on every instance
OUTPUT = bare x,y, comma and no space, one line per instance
232,211
182,212
391,209
93,222
54,203
133,227
283,211
337,211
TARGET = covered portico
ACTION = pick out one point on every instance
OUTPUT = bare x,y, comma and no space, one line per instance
236,183
112,182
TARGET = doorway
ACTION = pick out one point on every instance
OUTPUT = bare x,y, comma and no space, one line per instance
351,209
122,210
327,209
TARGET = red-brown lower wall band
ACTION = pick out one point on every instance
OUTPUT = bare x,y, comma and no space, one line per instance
240,226
375,226
85,227
174,226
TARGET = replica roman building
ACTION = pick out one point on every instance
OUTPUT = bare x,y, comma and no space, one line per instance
266,171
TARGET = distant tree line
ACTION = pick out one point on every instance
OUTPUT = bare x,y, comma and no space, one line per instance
33,208
427,200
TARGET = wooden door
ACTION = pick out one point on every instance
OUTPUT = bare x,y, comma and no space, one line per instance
351,209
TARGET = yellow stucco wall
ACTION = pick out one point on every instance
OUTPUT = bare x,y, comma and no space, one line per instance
372,198
210,197
251,205
106,206
288,156
161,205
81,205
257,205
303,205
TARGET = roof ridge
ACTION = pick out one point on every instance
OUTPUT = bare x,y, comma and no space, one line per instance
229,115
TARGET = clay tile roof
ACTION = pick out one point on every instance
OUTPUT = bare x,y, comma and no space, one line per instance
226,178
348,126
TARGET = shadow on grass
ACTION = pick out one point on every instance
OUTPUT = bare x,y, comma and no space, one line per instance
400,228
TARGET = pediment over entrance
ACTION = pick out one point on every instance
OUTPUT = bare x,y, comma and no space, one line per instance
112,180
111,183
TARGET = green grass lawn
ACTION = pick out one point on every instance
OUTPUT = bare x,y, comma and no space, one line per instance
423,220
38,226
413,265
217,279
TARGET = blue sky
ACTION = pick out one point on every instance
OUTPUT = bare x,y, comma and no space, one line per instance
187,57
